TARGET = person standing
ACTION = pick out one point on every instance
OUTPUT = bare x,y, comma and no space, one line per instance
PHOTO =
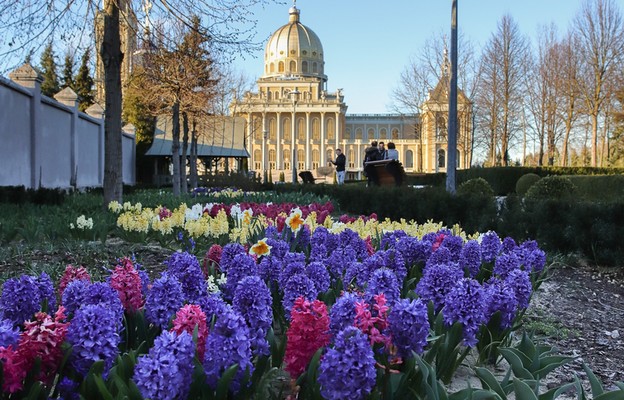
383,154
392,153
340,163
372,154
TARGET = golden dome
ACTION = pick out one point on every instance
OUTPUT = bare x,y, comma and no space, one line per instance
294,50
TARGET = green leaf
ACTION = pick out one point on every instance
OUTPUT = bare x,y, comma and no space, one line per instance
549,363
596,385
556,392
474,394
516,363
489,381
523,391
223,385
99,382
614,395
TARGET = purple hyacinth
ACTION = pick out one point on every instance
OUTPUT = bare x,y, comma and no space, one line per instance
270,269
490,246
21,299
409,326
303,237
439,257
46,290
505,263
322,237
508,245
370,264
470,257
520,281
74,295
355,274
466,303
342,313
253,301
9,334
338,260
318,252
228,344
163,300
502,299
437,281
347,371
351,238
228,253
393,260
94,336
454,244
298,286
383,281
319,275
292,267
413,250
68,389
104,294
279,248
391,238
531,257
166,371
242,265
185,267
212,305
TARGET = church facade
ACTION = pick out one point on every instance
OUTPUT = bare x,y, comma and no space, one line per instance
292,118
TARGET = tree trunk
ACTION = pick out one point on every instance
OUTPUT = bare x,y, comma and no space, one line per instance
594,148
193,155
111,55
185,136
175,148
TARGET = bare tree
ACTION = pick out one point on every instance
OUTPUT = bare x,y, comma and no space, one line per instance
25,25
599,32
568,90
501,88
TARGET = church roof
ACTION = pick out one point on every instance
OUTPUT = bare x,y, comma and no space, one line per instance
218,137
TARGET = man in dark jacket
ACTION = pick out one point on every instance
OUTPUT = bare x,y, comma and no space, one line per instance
372,154
340,163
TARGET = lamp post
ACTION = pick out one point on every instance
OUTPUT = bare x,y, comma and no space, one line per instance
294,96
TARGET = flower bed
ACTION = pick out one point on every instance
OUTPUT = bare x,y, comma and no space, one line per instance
344,309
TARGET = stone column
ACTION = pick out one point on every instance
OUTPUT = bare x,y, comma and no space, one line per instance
322,161
96,111
308,161
279,158
70,99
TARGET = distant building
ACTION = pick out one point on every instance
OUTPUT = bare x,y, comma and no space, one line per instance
294,66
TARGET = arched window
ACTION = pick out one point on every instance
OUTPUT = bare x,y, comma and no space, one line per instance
395,134
304,67
383,133
441,129
316,159
272,129
314,68
280,66
316,129
301,130
409,159
269,95
351,159
272,68
300,159
371,134
272,164
331,129
348,134
286,134
441,158
257,127
257,159
358,133
293,66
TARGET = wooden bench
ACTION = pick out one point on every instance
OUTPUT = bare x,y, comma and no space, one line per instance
385,172
307,177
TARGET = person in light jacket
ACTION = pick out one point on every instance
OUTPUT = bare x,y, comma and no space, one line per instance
392,153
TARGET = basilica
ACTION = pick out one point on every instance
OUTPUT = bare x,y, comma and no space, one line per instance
292,118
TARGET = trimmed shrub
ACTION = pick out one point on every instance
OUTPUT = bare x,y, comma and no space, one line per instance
551,187
525,182
475,187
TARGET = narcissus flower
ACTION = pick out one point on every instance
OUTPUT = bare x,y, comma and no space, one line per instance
261,248
295,220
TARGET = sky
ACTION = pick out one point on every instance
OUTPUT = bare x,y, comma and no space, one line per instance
367,44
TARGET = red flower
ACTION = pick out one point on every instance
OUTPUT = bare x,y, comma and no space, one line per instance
374,326
127,282
72,273
189,317
438,241
308,332
213,256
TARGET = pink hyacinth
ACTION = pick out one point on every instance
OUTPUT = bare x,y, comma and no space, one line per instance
374,326
72,273
213,256
369,246
126,281
42,339
164,213
308,332
187,318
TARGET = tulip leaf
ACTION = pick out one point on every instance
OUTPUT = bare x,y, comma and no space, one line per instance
613,395
556,392
523,391
488,381
223,386
596,385
516,364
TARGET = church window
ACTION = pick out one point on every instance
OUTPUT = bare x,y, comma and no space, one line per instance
293,66
358,133
371,134
316,159
316,129
286,124
348,134
441,158
272,164
304,66
257,127
331,129
300,159
395,134
280,66
305,52
409,159
314,68
272,68
272,130
383,133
